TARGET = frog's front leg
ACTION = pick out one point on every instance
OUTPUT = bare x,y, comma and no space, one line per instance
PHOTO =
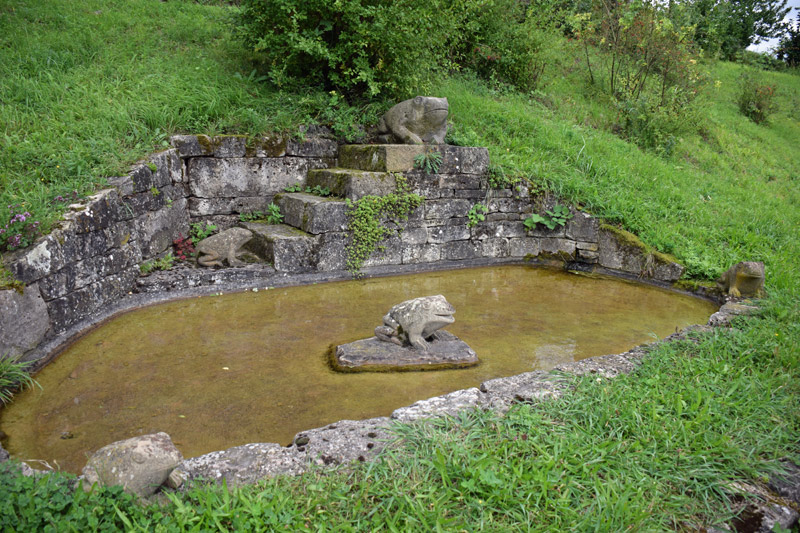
210,259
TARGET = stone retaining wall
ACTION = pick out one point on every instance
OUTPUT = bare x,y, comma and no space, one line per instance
92,259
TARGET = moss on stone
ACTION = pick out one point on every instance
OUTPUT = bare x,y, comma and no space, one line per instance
626,238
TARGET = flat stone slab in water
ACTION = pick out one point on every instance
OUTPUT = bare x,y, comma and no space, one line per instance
445,350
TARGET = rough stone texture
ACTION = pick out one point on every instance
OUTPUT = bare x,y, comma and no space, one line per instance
224,248
449,404
620,250
380,157
3,454
607,366
312,214
23,321
527,387
422,119
248,176
289,249
243,464
352,184
445,350
343,442
786,484
729,311
140,464
185,277
582,227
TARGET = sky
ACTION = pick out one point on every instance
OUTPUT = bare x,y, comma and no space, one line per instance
770,44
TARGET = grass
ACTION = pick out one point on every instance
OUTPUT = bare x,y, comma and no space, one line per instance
85,93
14,376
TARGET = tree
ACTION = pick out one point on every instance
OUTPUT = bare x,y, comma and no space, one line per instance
728,27
789,48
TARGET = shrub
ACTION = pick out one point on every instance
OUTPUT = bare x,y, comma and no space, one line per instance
756,101
358,47
20,230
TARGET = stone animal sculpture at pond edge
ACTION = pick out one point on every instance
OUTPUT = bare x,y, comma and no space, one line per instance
743,280
422,119
223,249
414,321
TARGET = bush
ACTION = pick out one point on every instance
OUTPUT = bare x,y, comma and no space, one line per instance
756,101
366,48
358,47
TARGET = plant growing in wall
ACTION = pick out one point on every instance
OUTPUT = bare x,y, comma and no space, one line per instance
476,214
428,162
165,263
365,221
558,216
201,230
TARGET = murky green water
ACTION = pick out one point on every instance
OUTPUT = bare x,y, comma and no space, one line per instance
220,371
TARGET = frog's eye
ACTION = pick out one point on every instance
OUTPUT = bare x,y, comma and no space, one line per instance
418,100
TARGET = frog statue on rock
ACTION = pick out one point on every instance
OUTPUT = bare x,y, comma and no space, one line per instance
413,321
422,119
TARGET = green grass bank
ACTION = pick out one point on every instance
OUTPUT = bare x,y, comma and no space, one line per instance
88,87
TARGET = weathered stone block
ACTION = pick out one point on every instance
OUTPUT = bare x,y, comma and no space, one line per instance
99,212
380,157
24,321
205,207
540,230
582,227
191,145
71,308
157,229
312,214
352,184
493,230
444,209
313,147
421,253
229,145
444,350
458,250
43,258
140,464
166,163
588,256
268,146
563,249
464,160
495,248
449,404
332,252
470,194
508,205
443,234
526,246
234,177
391,254
621,250
459,181
414,236
290,249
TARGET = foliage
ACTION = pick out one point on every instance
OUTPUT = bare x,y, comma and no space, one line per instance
789,48
8,281
756,100
646,63
318,190
368,217
163,263
428,162
476,214
558,216
201,230
184,248
357,48
51,503
14,375
20,230
273,214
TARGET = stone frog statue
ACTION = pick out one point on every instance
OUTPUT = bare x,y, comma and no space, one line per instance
223,249
743,280
422,119
413,321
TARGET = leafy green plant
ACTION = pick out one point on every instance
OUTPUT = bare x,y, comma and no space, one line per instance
476,214
756,100
152,166
201,230
164,263
428,162
318,190
367,218
558,216
273,214
154,191
14,375
252,216
297,187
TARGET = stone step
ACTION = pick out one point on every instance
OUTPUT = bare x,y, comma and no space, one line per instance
400,158
312,214
289,249
380,157
352,184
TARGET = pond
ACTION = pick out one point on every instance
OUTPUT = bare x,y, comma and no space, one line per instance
220,371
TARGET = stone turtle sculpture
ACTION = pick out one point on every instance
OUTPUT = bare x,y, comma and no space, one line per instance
743,280
414,321
422,119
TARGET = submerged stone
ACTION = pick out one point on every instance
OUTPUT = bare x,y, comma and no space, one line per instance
445,350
